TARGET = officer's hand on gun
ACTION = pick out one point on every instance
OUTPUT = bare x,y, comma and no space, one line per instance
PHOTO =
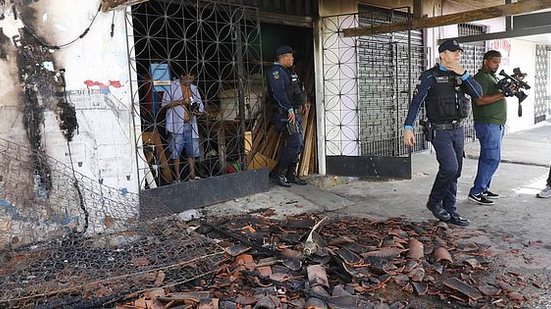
291,117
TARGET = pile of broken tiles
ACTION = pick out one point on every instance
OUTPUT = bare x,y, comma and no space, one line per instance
309,261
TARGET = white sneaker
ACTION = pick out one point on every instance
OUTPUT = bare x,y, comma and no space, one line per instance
545,193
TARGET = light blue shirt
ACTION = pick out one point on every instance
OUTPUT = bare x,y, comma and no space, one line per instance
175,115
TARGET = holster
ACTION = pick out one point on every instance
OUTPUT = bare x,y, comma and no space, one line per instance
428,130
291,127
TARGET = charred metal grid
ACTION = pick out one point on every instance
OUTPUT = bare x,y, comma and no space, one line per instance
385,84
472,61
84,245
221,44
542,80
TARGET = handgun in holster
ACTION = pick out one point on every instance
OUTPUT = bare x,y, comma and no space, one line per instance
428,130
290,126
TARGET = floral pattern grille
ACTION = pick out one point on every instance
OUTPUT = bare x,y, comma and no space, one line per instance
541,90
221,45
367,86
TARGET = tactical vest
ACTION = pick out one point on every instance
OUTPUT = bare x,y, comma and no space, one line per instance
446,100
298,95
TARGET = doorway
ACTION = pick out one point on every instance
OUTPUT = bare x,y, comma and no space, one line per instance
221,45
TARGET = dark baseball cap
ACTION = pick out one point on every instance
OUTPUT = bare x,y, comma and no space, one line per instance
284,49
451,45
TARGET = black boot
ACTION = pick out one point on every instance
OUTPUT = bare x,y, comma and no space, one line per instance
279,179
292,176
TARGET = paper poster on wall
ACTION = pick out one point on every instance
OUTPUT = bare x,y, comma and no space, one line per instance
503,46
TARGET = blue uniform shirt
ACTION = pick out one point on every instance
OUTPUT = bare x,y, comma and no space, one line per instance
279,83
427,80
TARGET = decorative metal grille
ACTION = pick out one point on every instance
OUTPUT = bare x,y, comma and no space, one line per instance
465,29
368,84
387,78
221,44
84,245
542,79
290,7
472,61
340,87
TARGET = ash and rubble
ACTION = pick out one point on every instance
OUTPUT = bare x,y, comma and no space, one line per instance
249,253
101,270
355,263
309,260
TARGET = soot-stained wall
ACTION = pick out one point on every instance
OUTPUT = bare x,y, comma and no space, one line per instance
64,93
95,70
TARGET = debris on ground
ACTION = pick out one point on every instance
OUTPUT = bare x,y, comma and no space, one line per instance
309,261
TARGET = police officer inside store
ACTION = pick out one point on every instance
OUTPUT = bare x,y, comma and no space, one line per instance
287,95
442,89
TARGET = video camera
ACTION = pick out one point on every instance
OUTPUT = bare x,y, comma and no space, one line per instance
194,108
506,85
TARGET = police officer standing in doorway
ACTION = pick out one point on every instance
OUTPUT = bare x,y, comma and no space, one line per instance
287,95
443,89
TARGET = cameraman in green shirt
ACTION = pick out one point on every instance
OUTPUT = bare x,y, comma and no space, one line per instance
490,115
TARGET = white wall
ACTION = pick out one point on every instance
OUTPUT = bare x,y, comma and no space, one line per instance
11,126
523,56
97,79
105,144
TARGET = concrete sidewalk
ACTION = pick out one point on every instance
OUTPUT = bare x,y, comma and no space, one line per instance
529,147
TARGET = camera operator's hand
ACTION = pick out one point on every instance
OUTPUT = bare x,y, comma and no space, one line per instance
513,88
409,138
455,67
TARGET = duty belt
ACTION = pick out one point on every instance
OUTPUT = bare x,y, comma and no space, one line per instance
447,126
284,111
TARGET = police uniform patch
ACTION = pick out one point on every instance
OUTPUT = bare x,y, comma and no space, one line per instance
275,74
417,85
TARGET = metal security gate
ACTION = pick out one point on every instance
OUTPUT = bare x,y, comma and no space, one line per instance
472,62
542,80
386,76
221,45
368,86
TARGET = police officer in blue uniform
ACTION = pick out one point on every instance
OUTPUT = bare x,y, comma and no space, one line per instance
287,95
442,89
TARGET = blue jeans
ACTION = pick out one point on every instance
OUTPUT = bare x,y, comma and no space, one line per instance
489,135
448,145
181,141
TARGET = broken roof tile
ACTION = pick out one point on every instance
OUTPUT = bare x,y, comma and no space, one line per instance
463,288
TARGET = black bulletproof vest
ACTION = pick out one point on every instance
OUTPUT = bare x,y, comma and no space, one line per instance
298,96
290,86
446,99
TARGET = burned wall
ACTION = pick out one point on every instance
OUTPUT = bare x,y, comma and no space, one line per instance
64,98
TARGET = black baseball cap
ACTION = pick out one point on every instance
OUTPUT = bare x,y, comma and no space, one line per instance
284,49
451,45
